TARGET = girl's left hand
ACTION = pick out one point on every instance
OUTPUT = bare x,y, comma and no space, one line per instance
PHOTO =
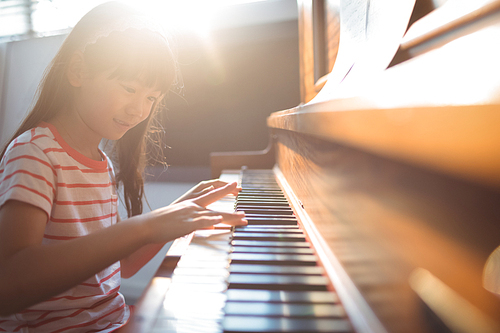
203,188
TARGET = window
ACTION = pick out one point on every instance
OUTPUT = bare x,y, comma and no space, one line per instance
46,17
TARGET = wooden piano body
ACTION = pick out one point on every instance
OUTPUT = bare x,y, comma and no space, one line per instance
393,172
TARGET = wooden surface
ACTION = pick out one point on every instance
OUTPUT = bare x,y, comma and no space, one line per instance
399,170
383,219
463,141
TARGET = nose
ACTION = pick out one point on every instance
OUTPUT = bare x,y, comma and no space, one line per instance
137,108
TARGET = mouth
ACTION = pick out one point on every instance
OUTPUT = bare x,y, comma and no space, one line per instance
123,123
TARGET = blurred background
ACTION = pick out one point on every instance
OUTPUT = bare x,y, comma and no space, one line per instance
239,62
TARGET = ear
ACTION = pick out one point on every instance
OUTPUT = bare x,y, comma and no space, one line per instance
76,69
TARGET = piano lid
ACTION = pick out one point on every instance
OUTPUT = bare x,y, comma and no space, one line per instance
437,110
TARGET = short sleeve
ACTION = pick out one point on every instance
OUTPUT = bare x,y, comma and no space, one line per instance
27,175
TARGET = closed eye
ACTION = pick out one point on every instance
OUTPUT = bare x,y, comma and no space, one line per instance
128,89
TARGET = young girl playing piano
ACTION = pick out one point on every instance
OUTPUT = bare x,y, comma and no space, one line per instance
63,248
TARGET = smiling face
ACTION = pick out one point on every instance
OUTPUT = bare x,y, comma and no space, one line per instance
123,75
114,84
109,107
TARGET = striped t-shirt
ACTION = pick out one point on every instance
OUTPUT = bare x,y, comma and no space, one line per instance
78,194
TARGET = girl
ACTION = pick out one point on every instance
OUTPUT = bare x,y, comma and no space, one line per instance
63,248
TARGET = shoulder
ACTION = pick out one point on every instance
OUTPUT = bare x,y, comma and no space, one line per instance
31,146
38,138
26,172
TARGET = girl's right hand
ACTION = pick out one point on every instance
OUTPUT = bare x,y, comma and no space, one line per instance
179,219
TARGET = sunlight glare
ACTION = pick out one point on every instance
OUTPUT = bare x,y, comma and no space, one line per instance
186,16
192,16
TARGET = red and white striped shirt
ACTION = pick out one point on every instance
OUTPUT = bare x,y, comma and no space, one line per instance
79,196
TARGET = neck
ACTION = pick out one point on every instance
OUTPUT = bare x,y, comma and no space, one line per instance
77,135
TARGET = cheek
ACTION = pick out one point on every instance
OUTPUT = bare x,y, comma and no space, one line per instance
146,111
98,101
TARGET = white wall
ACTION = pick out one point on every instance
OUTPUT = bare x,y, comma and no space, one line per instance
24,64
3,55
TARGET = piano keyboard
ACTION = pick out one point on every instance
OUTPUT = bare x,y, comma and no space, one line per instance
263,277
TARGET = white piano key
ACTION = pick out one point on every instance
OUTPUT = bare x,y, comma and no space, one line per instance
209,288
198,279
203,264
186,326
201,271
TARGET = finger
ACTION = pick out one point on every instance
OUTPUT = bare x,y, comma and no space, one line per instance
237,190
205,222
214,183
217,183
204,191
234,219
214,195
236,222
226,216
211,187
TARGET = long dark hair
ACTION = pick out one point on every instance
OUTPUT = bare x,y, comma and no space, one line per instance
133,53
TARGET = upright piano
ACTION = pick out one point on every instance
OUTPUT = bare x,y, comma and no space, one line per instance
376,205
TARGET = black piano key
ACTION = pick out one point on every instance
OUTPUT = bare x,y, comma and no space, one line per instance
270,227
265,211
268,243
260,194
262,205
277,282
275,216
273,259
266,220
254,324
254,229
258,210
261,202
259,179
274,296
266,236
275,269
254,249
284,310
253,199
263,187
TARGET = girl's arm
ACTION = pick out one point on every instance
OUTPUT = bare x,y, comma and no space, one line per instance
31,272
